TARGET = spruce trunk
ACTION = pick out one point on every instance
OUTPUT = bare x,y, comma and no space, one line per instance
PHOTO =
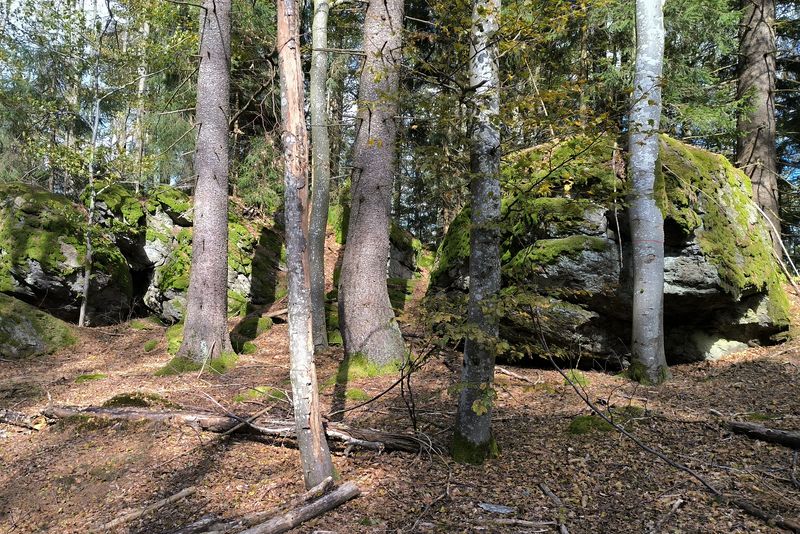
646,221
206,331
314,454
367,320
321,171
473,441
755,147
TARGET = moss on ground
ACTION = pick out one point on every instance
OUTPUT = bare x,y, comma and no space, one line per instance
585,424
357,367
90,377
174,335
261,392
576,377
138,399
150,345
356,394
179,365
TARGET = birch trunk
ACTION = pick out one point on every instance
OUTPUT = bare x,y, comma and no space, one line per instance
321,174
140,111
646,219
314,454
473,441
755,147
367,320
206,331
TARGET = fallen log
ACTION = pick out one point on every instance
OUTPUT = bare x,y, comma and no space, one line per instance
762,433
293,518
16,419
211,422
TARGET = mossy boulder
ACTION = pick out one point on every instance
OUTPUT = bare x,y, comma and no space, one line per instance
26,331
566,253
42,255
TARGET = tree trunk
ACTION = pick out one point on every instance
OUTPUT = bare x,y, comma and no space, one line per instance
206,331
367,320
140,111
473,441
314,454
755,147
646,220
321,174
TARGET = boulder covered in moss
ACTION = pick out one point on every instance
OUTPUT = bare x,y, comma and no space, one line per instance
26,331
566,254
42,256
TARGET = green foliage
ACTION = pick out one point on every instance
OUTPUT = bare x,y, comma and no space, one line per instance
258,176
90,377
576,377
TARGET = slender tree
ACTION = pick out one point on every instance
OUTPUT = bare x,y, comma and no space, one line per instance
206,330
473,441
367,321
314,454
646,219
755,147
321,170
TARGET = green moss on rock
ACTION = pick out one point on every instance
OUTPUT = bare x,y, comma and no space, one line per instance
27,331
169,199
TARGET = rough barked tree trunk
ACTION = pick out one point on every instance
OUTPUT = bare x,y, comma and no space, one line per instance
321,174
366,317
755,147
206,332
314,454
473,441
646,220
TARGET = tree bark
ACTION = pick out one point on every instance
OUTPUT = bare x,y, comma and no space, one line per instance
755,147
367,320
314,454
473,441
206,331
140,102
646,219
321,171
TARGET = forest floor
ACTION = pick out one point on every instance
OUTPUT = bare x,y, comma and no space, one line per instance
76,475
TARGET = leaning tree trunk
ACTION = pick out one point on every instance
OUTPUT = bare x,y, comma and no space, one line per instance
647,222
755,147
321,176
314,454
367,320
473,441
206,332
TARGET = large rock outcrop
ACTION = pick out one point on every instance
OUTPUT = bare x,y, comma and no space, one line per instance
142,254
566,253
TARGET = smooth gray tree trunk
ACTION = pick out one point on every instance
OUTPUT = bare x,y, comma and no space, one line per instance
367,320
473,441
321,171
206,330
755,147
646,220
314,454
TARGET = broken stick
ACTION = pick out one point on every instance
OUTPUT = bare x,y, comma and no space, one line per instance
293,518
146,510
